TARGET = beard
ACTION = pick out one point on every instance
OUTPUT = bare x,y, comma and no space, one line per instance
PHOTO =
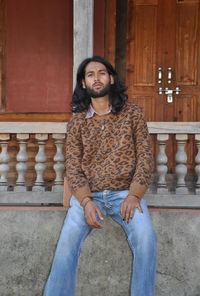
98,94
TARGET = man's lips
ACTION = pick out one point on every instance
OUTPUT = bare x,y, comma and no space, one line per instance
97,85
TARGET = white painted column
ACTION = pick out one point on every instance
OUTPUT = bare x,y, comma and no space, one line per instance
21,166
181,160
40,165
83,32
197,161
59,160
162,163
4,160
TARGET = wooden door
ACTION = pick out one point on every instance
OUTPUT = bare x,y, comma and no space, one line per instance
164,34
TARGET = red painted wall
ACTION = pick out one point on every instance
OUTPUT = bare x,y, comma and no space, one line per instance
39,55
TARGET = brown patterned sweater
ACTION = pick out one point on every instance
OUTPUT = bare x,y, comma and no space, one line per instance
118,157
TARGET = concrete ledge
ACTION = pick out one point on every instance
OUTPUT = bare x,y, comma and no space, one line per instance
29,238
30,198
187,201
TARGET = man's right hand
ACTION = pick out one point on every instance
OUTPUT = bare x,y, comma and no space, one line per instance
91,209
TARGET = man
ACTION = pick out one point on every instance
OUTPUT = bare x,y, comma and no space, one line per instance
108,166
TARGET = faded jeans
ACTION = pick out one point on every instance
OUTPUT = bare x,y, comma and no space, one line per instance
140,235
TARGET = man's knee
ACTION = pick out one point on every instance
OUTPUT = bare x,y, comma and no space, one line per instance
143,240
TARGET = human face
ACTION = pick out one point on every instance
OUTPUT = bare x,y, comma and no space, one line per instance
97,80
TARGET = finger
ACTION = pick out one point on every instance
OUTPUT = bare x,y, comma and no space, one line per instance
123,210
95,222
132,213
140,209
89,219
98,225
127,215
99,213
127,218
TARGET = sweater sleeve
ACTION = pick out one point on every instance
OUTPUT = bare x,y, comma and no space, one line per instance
144,156
74,151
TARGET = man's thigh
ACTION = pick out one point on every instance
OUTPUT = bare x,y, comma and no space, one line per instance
139,226
75,227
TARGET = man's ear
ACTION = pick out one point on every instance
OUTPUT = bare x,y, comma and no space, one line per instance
111,79
83,84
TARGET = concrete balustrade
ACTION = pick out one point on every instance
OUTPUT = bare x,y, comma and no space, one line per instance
41,131
57,130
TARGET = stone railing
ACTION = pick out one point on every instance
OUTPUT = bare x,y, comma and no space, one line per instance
23,130
181,130
179,189
23,133
159,193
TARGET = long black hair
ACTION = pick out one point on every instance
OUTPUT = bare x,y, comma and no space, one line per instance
117,94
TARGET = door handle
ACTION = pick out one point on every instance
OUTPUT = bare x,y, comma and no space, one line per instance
169,75
159,75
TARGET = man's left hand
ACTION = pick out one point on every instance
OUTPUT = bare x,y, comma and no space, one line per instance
128,207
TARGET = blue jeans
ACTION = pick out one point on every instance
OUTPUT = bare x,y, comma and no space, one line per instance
141,238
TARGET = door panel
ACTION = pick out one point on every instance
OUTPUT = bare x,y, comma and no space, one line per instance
187,44
146,102
144,73
184,108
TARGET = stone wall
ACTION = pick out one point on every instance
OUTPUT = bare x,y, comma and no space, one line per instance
28,241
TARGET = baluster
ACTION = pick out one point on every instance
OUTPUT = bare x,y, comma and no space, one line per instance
197,161
59,159
162,161
4,159
181,159
21,166
40,162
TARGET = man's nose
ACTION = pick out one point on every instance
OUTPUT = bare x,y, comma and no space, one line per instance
96,77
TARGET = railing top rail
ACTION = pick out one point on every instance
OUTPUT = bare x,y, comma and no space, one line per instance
174,127
61,127
33,127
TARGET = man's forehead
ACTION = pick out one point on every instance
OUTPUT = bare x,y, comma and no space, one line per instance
93,66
